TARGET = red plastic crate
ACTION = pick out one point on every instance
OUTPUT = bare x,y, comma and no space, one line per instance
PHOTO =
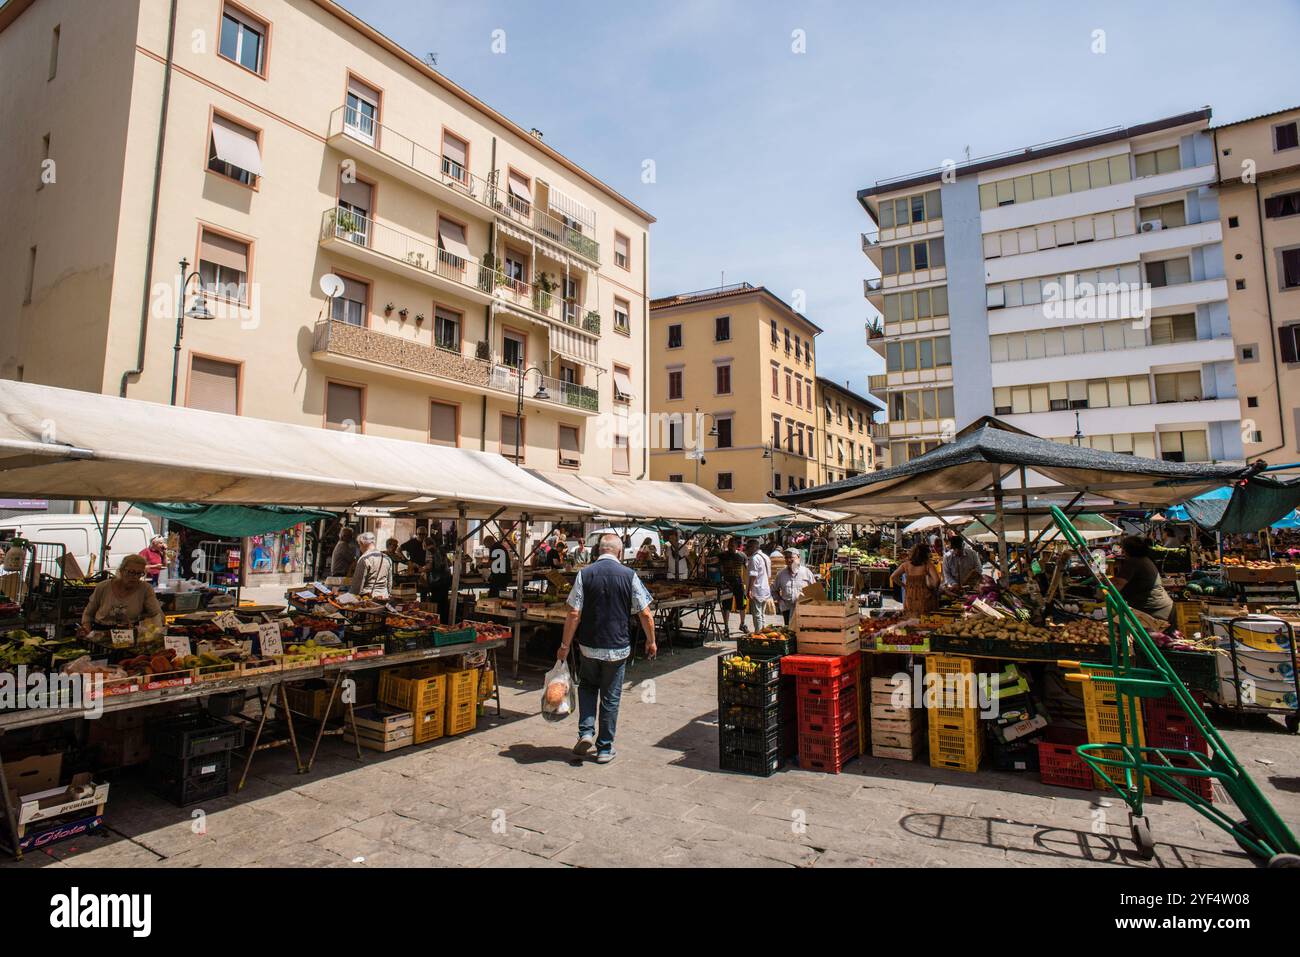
1169,726
828,752
821,666
825,687
1197,785
1060,764
827,715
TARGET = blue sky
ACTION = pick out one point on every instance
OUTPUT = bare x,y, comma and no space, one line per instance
759,150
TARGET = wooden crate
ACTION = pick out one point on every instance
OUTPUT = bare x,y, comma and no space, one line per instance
819,642
382,730
398,739
888,712
825,615
910,738
914,753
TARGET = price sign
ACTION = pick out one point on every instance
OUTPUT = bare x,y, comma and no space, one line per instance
227,621
305,595
122,637
347,598
320,588
268,637
179,644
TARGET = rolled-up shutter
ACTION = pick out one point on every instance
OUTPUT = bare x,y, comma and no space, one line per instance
442,424
214,386
224,251
451,236
519,187
454,149
356,194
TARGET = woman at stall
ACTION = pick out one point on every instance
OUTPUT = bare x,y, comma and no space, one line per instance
124,601
920,580
1138,579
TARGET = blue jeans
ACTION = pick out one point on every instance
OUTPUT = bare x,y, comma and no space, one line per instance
599,681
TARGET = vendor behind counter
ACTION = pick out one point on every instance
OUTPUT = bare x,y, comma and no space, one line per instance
1138,579
124,601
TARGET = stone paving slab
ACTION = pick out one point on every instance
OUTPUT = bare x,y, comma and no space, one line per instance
511,794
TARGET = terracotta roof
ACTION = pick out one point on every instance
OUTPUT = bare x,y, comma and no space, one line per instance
845,390
726,292
1261,116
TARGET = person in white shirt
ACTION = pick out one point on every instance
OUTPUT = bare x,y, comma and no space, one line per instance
675,558
759,582
373,577
790,583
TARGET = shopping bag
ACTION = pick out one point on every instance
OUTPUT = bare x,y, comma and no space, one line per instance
769,607
559,694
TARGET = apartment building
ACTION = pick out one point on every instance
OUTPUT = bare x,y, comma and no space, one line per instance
377,249
848,445
733,385
1076,288
1259,209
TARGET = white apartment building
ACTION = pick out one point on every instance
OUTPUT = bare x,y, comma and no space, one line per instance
1075,289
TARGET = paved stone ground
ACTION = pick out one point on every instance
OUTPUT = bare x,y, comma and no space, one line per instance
510,794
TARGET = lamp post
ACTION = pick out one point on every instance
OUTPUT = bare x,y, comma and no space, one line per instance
541,393
199,310
1078,431
713,434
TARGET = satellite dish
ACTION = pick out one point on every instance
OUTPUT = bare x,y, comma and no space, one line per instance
331,285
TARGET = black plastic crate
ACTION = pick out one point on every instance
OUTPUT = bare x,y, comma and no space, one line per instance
767,672
186,781
748,645
732,738
751,718
1018,756
194,735
755,696
762,764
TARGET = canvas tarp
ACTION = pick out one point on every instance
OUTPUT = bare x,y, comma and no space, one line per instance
1249,508
989,450
644,499
233,521
63,444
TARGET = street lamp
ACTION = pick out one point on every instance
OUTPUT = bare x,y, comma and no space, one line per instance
198,310
541,393
712,433
1078,431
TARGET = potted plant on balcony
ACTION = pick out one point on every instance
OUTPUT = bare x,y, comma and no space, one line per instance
347,222
419,318
489,276
542,290
482,350
416,259
874,329
591,321
402,313
388,309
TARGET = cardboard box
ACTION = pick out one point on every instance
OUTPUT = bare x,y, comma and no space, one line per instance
34,774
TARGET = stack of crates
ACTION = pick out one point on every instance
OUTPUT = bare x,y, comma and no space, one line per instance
752,715
897,724
190,757
828,702
1101,709
421,690
1167,725
462,700
956,740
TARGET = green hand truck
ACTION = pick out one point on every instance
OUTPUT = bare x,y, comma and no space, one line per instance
1261,833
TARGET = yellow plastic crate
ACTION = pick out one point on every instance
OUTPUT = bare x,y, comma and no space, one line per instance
430,725
487,683
1101,709
461,718
958,749
410,692
965,719
1116,774
462,686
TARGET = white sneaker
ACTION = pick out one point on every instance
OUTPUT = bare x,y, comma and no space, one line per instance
584,745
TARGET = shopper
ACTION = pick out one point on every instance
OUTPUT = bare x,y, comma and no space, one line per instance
759,575
919,581
155,558
439,566
961,566
675,557
1138,579
647,551
416,551
393,549
498,566
558,555
731,565
373,577
605,595
345,553
790,583
124,601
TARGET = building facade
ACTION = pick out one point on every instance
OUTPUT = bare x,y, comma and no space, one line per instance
733,371
378,250
1076,289
1259,209
847,448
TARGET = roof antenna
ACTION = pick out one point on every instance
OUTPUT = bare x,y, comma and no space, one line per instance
967,149
722,282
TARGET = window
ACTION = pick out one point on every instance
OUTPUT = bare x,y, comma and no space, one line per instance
798,347
676,477
622,251
1056,182
622,313
776,380
914,354
721,328
1184,447
443,429
775,338
1288,341
352,305
511,443
798,391
921,304
776,431
724,481
446,329
1157,161
789,386
675,433
927,254
1178,386
1283,204
787,339
1169,272
776,481
31,276
622,384
675,384
214,386
519,192
569,449
243,39
675,336
455,157
514,349
1290,267
723,425
54,53
1170,329
1168,215
922,207
352,220
723,374
223,266
1286,136
1252,402
233,151
361,110
1233,222
344,407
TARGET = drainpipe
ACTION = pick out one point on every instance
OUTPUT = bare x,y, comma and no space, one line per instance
153,207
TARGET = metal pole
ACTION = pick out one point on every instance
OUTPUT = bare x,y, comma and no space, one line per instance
1002,526
519,588
519,416
1024,508
180,330
456,555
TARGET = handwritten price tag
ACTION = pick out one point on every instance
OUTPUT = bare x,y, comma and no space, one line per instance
179,644
226,621
268,636
122,637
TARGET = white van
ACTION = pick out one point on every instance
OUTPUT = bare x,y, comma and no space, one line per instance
637,534
80,535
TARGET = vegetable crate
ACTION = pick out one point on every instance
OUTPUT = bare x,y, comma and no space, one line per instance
756,647
955,747
430,724
1061,765
408,691
958,678
1128,765
829,752
762,763
827,715
759,689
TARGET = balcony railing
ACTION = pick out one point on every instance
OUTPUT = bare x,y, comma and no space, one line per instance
879,430
877,383
552,227
399,247
870,241
870,285
536,298
338,338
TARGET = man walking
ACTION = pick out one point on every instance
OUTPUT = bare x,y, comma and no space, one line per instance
345,553
373,577
790,583
760,582
605,595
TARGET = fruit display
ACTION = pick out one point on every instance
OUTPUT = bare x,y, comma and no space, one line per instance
741,667
1002,629
861,558
1204,583
145,664
775,635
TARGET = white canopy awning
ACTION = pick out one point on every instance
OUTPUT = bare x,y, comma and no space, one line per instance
452,236
645,499
762,511
236,145
65,444
931,521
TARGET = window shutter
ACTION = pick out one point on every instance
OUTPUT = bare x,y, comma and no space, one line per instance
442,424
342,405
224,251
214,386
1286,337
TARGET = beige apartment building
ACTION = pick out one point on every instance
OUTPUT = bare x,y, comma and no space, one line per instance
1259,206
377,249
733,372
847,448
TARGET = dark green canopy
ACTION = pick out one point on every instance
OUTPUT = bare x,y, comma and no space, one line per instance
1253,505
233,521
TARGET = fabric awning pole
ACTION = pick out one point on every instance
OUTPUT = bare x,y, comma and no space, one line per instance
519,588
1051,526
457,553
1024,508
942,520
1003,564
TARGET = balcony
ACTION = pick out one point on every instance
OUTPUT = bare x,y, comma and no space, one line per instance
549,227
371,242
879,430
575,331
875,330
870,241
362,348
877,383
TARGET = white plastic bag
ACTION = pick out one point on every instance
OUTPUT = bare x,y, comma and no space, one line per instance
559,694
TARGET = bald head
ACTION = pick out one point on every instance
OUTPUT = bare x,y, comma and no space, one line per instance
610,545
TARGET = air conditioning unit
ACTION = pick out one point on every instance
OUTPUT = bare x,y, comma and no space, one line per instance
1151,226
